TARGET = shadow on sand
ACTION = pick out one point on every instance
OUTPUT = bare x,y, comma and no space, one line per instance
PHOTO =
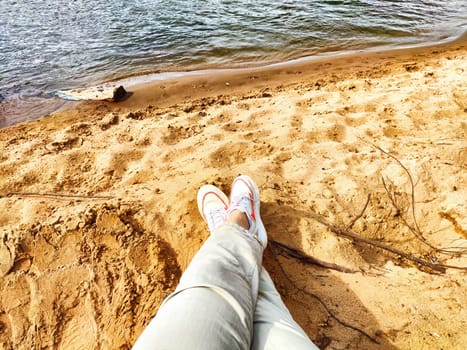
282,223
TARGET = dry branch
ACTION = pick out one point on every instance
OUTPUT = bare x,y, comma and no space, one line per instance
56,195
440,268
349,226
323,304
415,229
307,259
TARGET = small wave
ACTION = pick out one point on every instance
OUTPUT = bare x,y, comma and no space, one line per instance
16,109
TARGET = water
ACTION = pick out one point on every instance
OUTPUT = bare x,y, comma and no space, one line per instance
47,45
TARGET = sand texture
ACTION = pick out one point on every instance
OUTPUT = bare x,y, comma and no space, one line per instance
98,212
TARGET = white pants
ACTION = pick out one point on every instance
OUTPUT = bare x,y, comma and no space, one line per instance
225,300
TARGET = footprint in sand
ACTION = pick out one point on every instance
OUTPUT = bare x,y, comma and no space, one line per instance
235,153
64,142
100,281
176,133
7,256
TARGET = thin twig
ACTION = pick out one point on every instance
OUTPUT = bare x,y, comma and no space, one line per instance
349,226
416,233
323,304
58,195
413,230
297,254
338,231
412,186
416,229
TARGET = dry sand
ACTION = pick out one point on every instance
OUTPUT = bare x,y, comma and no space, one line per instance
88,269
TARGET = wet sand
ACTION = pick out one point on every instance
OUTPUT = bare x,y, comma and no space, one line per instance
99,215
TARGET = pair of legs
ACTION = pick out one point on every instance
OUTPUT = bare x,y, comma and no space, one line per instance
225,298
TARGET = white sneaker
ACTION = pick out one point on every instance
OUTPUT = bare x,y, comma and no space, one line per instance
212,204
245,197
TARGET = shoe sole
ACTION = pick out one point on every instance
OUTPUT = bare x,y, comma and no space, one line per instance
206,189
262,234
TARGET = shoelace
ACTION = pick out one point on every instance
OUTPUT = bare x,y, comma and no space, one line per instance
243,204
216,218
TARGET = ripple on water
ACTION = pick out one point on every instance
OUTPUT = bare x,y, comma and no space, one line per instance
50,45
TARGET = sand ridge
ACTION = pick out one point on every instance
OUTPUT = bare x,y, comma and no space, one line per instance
88,269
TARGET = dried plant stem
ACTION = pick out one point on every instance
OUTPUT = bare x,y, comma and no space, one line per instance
349,226
307,259
323,304
440,268
57,195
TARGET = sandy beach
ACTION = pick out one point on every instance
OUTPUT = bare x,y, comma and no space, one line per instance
98,214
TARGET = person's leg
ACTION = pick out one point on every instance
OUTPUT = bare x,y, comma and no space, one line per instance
213,305
274,327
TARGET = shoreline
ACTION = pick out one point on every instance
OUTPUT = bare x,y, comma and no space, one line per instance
56,104
151,77
238,81
212,69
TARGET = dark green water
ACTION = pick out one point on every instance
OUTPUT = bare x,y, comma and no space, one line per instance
56,44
